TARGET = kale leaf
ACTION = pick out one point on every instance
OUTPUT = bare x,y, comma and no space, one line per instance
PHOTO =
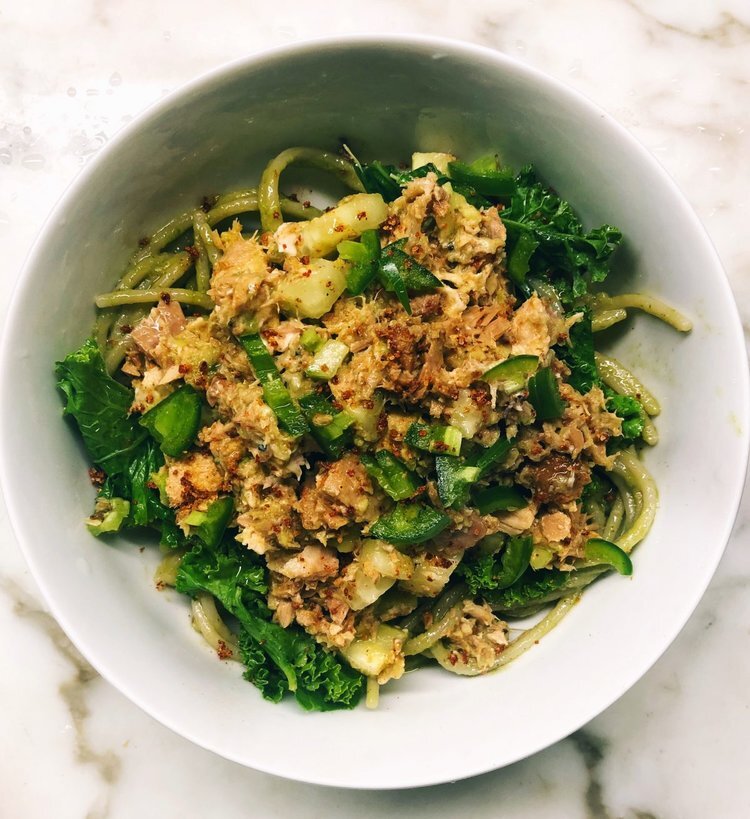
100,407
565,255
578,354
535,588
630,410
278,660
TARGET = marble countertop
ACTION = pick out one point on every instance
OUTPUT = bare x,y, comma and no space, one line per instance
678,76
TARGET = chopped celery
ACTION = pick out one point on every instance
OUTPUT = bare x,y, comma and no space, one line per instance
311,340
327,360
329,427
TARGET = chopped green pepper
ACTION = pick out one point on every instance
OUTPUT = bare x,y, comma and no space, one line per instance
484,178
363,256
410,523
440,439
520,257
174,422
327,360
329,427
494,453
498,499
275,392
453,480
598,550
544,395
513,373
394,478
209,526
415,276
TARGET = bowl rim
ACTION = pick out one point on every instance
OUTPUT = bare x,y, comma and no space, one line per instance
202,83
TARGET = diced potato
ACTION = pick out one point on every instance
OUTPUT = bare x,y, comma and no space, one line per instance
379,558
320,236
366,591
440,161
431,574
379,654
310,290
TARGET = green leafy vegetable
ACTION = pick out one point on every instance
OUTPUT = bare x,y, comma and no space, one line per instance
578,354
497,571
630,410
498,499
535,588
416,277
100,406
563,247
277,660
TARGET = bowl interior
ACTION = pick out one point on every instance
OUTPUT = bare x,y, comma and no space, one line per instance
385,99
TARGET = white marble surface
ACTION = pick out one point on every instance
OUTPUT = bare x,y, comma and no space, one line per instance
678,76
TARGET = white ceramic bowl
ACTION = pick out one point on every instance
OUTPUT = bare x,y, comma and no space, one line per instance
388,96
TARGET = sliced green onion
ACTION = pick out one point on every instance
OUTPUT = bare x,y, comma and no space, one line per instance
275,393
327,360
598,550
544,395
410,523
174,422
512,374
498,499
445,440
394,478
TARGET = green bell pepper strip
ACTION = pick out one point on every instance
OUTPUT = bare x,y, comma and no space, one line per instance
514,561
497,182
209,526
454,478
416,277
513,373
498,499
544,395
494,453
409,524
520,257
394,478
175,421
363,256
327,360
275,393
444,440
311,340
330,428
598,550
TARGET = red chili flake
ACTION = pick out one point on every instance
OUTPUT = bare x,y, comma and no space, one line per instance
207,203
149,399
307,273
223,651
193,251
144,241
276,215
97,476
203,367
184,368
306,203
126,328
304,259
362,215
423,433
339,228
166,298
